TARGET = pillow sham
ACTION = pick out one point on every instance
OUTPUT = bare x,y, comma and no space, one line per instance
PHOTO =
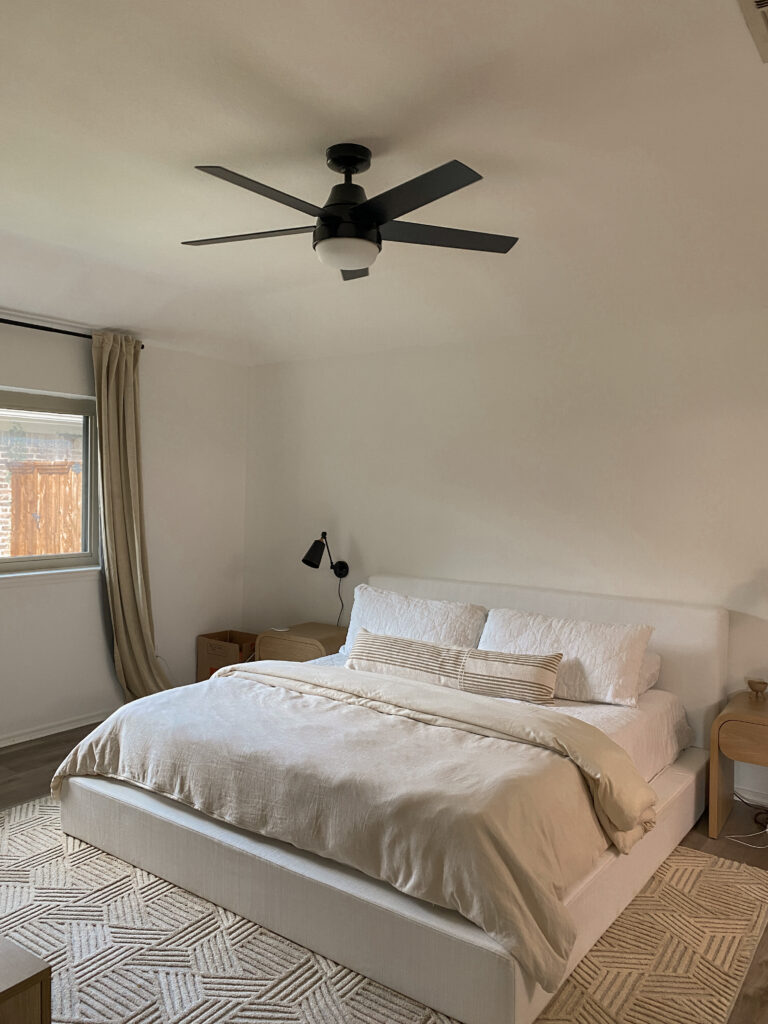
417,618
601,661
491,673
650,670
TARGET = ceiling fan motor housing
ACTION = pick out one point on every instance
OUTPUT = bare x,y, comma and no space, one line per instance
336,221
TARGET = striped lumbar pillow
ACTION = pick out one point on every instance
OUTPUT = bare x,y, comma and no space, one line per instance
528,677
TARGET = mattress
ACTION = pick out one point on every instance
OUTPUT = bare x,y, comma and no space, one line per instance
653,734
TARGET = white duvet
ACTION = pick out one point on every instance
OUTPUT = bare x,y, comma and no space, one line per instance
653,733
488,807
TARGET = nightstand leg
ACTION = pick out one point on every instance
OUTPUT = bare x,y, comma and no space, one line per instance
720,791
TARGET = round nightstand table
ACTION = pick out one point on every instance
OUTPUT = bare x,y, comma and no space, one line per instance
739,733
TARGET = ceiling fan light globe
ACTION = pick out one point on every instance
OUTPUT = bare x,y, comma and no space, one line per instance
347,253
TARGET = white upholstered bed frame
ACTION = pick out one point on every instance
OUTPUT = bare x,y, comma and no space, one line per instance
430,954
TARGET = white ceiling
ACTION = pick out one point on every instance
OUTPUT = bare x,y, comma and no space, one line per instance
624,143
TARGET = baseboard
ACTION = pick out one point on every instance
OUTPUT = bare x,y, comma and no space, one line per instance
53,727
751,781
753,795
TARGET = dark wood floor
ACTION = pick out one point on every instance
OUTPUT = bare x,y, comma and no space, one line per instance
26,770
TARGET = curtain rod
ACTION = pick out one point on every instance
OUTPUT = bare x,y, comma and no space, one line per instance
51,330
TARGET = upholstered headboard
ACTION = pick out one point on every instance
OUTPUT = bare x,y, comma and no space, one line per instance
691,639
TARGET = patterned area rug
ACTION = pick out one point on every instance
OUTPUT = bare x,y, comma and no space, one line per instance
129,948
679,952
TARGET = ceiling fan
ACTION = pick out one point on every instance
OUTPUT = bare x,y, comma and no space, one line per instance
349,229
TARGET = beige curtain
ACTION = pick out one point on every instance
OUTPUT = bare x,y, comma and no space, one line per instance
116,369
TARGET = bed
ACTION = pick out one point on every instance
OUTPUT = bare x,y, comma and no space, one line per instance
427,952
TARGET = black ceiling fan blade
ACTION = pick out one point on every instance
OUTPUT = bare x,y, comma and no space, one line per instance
252,234
352,275
426,188
262,190
454,238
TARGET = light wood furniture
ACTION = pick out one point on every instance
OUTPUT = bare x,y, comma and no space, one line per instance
739,733
304,642
25,986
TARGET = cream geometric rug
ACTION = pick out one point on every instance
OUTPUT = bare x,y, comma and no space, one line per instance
678,954
129,948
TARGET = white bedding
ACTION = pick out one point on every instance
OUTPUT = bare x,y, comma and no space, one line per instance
653,734
332,659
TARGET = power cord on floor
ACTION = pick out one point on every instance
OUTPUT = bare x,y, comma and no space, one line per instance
760,818
761,815
757,807
750,835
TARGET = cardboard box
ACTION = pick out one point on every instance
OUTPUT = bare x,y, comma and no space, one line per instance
227,647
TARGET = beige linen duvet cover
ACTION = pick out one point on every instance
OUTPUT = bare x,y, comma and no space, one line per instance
488,807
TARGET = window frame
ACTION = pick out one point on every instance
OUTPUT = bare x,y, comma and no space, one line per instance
67,405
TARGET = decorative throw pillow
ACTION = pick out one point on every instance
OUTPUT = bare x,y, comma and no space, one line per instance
437,622
491,673
650,670
601,662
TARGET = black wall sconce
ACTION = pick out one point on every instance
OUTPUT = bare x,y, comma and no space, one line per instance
314,557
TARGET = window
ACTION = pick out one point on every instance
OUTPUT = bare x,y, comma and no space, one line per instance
48,510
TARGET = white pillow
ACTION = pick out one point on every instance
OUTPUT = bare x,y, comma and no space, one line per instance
416,618
650,670
601,662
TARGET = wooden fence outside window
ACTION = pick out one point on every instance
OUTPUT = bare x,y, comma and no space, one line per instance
46,508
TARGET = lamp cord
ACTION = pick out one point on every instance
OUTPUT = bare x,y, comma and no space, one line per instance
341,601
761,818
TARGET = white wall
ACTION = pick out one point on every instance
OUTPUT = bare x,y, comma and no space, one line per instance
194,457
55,662
626,464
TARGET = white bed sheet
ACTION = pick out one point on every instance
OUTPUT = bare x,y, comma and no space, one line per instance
331,659
653,734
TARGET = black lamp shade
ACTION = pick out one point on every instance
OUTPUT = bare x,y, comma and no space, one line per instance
315,554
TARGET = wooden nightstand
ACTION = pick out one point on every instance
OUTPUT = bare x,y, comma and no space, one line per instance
304,642
739,733
25,986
